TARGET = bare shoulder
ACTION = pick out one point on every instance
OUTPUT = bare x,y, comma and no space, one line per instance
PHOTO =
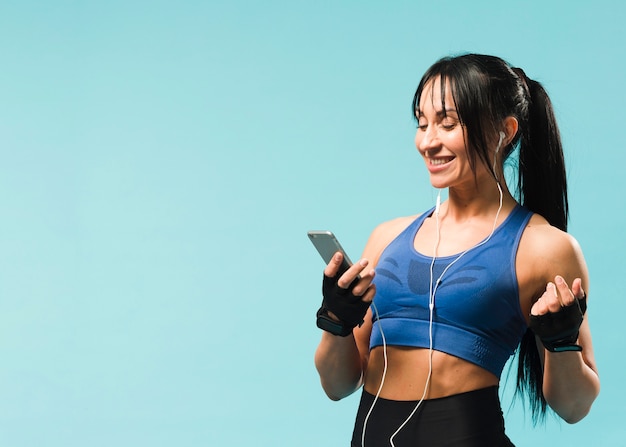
548,241
383,234
546,251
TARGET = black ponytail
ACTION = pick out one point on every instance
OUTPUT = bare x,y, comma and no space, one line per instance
542,179
542,186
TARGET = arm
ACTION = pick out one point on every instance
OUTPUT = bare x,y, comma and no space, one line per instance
341,361
570,379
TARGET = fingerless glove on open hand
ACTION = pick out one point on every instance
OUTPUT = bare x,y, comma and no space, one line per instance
558,331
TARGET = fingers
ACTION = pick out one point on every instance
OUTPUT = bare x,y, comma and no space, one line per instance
556,296
565,295
333,266
577,288
539,308
364,287
548,302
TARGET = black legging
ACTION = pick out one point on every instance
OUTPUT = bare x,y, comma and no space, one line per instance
472,419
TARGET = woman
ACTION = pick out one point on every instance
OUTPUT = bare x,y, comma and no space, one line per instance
461,287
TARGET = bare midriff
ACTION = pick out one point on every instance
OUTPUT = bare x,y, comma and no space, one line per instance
407,374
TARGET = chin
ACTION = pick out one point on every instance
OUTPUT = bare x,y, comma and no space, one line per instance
438,184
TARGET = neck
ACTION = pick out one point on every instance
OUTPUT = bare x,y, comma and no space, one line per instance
477,201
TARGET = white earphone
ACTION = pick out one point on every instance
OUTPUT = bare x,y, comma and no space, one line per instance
502,135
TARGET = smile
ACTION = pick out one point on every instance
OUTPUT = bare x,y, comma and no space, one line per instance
440,161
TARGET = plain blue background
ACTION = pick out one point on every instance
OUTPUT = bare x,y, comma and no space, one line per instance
161,162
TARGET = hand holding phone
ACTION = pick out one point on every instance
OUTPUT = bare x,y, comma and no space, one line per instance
341,302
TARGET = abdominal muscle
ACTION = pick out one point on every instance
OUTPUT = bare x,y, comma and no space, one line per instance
407,374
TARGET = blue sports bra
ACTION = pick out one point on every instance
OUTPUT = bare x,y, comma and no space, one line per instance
477,315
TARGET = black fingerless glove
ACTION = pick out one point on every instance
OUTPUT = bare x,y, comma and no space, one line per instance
559,331
347,307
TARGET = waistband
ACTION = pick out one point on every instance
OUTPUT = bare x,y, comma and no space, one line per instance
471,419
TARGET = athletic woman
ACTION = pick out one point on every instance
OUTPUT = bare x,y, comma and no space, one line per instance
427,319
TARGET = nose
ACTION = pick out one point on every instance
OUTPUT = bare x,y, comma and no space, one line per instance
427,139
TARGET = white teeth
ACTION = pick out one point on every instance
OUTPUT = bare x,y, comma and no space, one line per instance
439,161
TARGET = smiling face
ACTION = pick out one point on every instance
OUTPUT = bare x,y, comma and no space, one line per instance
441,138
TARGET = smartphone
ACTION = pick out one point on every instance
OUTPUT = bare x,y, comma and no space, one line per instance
327,245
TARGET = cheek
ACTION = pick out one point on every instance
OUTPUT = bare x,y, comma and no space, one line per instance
455,142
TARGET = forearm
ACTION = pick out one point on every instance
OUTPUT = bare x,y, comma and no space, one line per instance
339,365
570,385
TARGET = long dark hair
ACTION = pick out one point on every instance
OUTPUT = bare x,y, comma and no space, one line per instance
486,90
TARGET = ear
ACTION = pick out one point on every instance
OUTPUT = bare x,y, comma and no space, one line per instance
511,126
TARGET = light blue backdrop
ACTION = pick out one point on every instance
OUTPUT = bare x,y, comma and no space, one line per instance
161,162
